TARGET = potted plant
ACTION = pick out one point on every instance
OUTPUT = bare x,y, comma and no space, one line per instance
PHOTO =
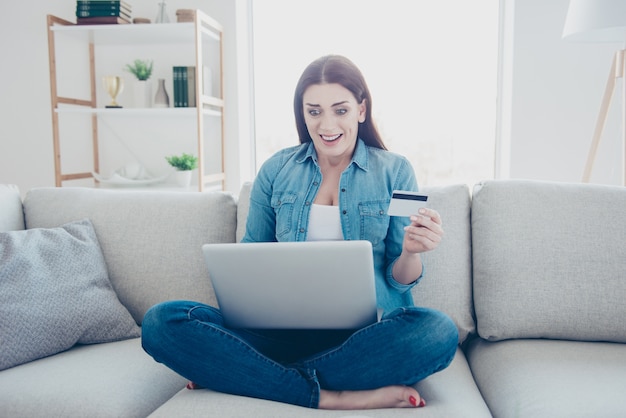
142,70
183,164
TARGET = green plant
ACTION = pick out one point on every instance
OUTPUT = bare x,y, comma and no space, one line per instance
142,69
183,162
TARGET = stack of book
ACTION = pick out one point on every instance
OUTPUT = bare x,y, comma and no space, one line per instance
99,12
184,86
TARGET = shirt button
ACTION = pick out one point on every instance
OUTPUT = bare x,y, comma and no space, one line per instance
382,212
315,183
344,212
302,230
307,203
343,190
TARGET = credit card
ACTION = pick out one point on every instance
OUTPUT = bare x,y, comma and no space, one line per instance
405,203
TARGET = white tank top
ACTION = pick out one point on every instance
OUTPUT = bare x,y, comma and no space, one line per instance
324,223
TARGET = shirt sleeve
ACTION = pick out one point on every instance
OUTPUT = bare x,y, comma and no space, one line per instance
400,287
405,180
261,221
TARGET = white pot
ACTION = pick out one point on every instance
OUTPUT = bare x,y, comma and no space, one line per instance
183,178
142,93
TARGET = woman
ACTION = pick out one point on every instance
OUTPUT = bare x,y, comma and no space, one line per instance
336,184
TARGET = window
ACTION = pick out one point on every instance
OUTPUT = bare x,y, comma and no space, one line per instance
431,68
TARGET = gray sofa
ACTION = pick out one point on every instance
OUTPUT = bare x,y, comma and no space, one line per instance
533,274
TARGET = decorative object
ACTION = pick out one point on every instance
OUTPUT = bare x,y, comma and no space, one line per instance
161,99
132,171
142,87
601,21
63,299
118,179
185,15
142,69
162,16
183,178
114,85
142,93
183,164
132,174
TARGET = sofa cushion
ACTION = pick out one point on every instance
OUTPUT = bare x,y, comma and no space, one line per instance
550,378
115,379
151,240
11,213
549,260
448,269
55,292
448,393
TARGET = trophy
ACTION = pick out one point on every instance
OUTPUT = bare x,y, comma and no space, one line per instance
114,86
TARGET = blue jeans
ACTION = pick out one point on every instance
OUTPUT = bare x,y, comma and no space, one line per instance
291,366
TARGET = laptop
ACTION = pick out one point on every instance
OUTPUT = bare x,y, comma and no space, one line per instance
294,285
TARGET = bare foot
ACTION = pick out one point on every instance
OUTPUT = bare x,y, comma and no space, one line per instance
385,397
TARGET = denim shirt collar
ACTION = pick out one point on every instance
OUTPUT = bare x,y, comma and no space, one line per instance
359,157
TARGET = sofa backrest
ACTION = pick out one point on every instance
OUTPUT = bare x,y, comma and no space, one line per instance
11,213
549,260
447,284
151,240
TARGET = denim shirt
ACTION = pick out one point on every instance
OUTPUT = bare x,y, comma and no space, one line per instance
286,186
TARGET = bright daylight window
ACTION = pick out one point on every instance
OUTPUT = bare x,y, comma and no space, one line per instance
431,68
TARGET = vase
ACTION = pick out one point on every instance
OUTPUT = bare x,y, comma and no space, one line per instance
162,14
183,178
142,92
161,99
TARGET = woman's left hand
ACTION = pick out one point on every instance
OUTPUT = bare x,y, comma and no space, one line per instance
424,233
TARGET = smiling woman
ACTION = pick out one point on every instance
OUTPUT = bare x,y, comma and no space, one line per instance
432,67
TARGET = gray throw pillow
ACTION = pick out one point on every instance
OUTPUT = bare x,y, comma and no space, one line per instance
55,292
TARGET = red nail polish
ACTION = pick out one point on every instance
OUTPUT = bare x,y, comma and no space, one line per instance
422,403
413,400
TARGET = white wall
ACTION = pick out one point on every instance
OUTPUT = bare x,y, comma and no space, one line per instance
555,92
26,156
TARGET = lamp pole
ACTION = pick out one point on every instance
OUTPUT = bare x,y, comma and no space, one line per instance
618,68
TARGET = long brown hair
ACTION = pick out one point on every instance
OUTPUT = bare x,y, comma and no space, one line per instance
337,69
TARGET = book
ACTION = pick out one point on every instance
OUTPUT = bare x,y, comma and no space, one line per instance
102,3
109,7
184,80
175,82
101,20
191,86
99,13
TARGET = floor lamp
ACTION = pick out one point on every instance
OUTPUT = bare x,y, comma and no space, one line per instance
601,21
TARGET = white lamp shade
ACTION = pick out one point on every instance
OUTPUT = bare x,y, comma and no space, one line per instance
596,21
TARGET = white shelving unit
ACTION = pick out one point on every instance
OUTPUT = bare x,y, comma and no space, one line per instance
197,43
